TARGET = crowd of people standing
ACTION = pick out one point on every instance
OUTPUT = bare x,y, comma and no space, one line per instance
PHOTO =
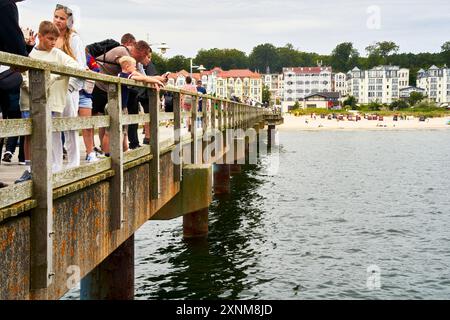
57,41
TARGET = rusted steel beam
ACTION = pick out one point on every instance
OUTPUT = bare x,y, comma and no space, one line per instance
113,279
195,224
116,148
155,181
178,172
41,232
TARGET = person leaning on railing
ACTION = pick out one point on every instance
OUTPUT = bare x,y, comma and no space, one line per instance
109,65
129,71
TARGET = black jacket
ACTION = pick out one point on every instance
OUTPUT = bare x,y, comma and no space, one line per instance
11,36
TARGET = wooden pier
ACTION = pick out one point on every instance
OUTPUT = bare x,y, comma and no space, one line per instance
79,224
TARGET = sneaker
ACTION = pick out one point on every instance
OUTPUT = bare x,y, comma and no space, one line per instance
98,151
146,141
92,157
22,163
7,157
3,185
25,177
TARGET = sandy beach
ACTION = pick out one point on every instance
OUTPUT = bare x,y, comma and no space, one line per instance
307,123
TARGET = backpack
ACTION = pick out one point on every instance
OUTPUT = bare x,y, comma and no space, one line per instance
98,49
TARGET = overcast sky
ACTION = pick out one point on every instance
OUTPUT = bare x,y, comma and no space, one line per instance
313,26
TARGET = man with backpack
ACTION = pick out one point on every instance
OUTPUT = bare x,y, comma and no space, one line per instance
108,63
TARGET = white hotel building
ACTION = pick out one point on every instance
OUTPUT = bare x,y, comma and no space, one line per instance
436,83
340,83
275,84
381,84
303,81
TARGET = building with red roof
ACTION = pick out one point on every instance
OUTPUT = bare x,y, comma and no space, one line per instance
241,83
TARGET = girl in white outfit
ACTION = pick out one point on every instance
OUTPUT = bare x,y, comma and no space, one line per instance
70,42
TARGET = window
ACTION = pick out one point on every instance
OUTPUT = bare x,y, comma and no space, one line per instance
325,83
307,83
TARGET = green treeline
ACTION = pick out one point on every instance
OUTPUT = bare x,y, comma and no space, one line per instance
343,58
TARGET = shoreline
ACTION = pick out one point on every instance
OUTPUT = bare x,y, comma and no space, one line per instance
306,123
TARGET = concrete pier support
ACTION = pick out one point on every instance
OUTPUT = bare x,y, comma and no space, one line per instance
222,179
113,279
271,136
195,224
235,169
195,193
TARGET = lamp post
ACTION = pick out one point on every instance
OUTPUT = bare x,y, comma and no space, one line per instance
161,46
199,68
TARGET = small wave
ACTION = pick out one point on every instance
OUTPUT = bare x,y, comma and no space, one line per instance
341,220
353,250
395,231
329,257
402,216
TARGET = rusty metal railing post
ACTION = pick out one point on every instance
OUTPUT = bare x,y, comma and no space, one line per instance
41,233
116,151
214,114
220,115
194,133
154,105
178,171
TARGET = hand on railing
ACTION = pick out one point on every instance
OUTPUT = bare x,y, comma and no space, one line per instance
155,81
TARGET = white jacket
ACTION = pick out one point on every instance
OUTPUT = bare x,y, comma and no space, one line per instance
58,85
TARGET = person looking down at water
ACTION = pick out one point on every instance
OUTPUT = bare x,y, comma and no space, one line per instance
110,66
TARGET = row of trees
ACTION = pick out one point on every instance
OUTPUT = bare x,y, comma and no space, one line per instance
343,58
414,100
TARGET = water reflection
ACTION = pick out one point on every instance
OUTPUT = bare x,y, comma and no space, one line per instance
217,267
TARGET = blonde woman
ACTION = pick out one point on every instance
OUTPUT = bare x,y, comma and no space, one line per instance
70,42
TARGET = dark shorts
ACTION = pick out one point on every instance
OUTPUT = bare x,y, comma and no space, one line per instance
99,101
